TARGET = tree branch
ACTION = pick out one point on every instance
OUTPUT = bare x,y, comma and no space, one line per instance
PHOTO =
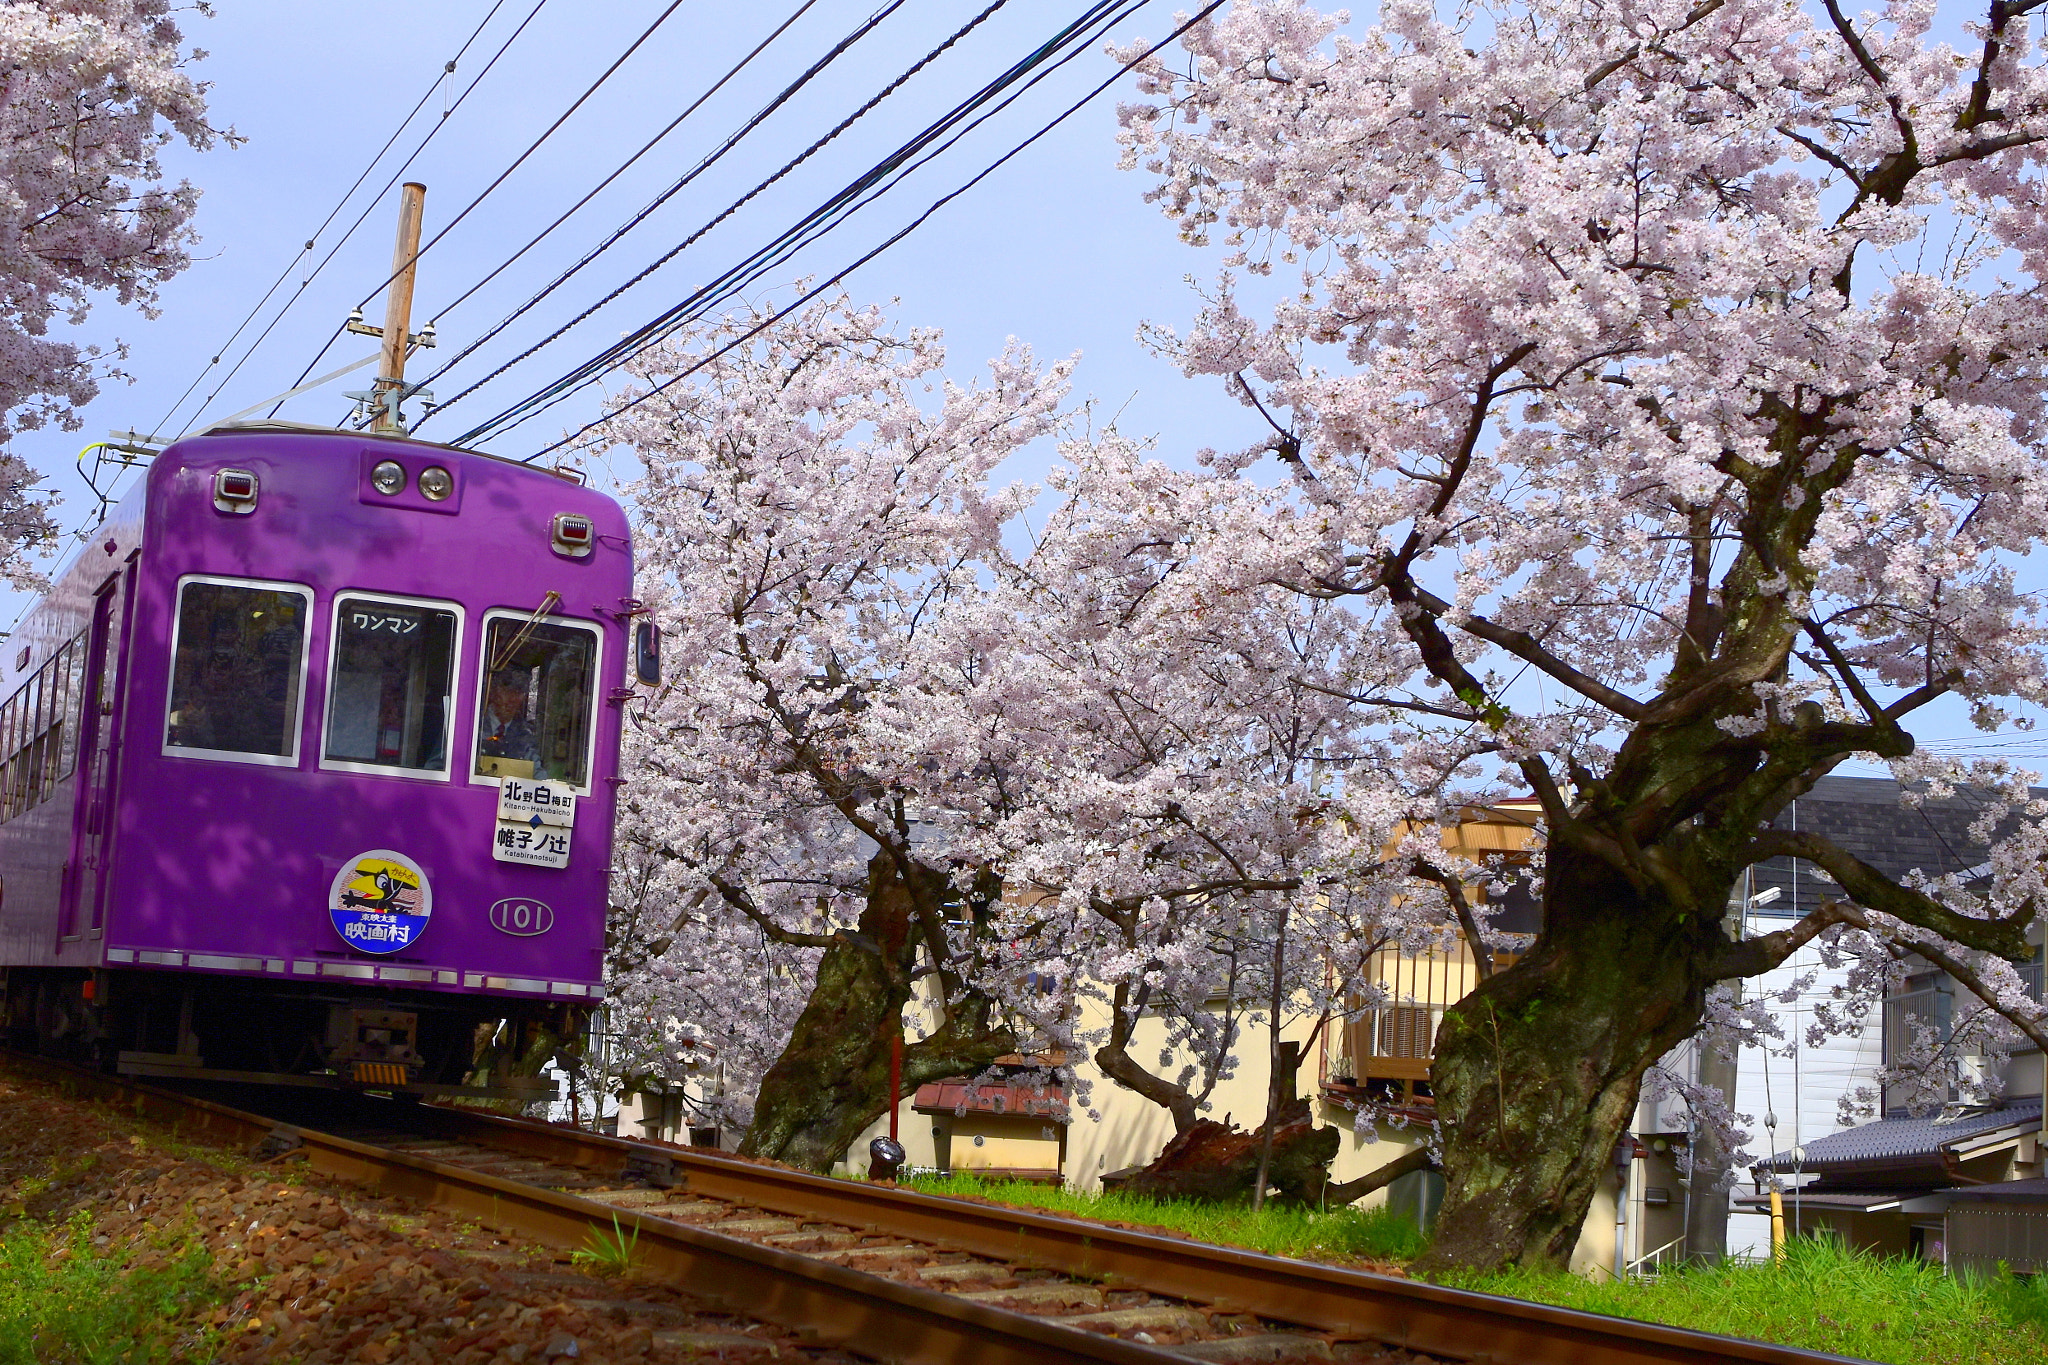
1873,890
1974,983
1413,1160
1755,956
1454,891
1526,648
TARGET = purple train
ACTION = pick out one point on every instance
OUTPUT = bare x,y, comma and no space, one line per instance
308,765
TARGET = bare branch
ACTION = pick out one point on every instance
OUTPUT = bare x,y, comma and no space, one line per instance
1871,889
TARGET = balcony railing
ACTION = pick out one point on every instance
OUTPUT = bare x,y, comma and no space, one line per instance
1384,1054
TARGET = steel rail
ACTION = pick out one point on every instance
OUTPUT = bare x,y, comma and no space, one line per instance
831,1304
1351,1303
1359,1305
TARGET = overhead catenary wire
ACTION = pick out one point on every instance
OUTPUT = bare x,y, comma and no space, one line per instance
630,161
919,151
368,207
440,80
891,241
386,189
834,211
518,161
531,148
619,233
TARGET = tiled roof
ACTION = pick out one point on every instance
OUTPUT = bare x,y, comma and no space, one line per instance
1894,1142
951,1097
2001,1192
1863,816
1855,1201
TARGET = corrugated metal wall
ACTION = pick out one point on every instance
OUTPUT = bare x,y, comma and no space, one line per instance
1982,1236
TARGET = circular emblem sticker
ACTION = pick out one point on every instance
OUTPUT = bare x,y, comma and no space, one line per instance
380,901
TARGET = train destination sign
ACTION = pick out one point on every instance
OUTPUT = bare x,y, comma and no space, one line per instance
535,821
380,901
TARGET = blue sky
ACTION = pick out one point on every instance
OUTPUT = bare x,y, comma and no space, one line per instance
1056,248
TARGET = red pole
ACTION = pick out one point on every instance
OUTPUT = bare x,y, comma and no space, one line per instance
895,1075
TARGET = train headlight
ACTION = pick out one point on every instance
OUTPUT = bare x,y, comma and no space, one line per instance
436,483
388,478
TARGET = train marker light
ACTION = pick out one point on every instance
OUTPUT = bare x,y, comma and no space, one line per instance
574,535
234,490
388,478
436,483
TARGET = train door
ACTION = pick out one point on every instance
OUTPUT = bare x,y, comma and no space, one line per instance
92,822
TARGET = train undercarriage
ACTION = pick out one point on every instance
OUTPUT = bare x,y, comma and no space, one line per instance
428,1044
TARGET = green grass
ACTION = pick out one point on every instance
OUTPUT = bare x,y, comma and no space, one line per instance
1376,1234
610,1253
1825,1297
88,1307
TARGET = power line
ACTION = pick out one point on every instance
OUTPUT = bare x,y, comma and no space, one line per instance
341,327
627,164
447,70
386,189
534,146
919,151
902,233
679,184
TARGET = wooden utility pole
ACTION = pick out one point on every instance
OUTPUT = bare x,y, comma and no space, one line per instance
389,388
398,307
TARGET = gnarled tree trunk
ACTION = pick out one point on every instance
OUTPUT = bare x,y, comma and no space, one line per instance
832,1080
1537,1071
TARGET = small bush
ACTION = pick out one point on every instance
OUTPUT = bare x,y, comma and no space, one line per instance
1345,1234
612,1253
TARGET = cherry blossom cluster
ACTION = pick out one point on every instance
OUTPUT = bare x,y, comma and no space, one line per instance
93,89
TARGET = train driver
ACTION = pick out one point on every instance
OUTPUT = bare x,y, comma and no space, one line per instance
506,731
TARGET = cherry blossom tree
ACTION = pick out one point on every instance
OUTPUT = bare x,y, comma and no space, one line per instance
674,1022
806,523
1663,379
1176,813
920,769
93,90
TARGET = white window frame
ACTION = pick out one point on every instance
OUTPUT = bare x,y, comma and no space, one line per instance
483,681
454,672
297,727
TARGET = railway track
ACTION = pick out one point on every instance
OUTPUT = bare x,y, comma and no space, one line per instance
903,1276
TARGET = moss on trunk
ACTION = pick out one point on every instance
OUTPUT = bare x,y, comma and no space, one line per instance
1537,1071
832,1080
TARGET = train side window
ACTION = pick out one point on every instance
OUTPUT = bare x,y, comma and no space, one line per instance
38,732
9,723
22,771
238,670
533,718
51,723
74,682
390,684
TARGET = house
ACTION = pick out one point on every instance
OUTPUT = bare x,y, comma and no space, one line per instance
1382,1056
1888,1184
1881,1185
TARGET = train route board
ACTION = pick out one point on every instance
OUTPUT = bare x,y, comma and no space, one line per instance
535,821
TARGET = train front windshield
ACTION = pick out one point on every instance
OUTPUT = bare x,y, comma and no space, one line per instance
535,717
393,665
